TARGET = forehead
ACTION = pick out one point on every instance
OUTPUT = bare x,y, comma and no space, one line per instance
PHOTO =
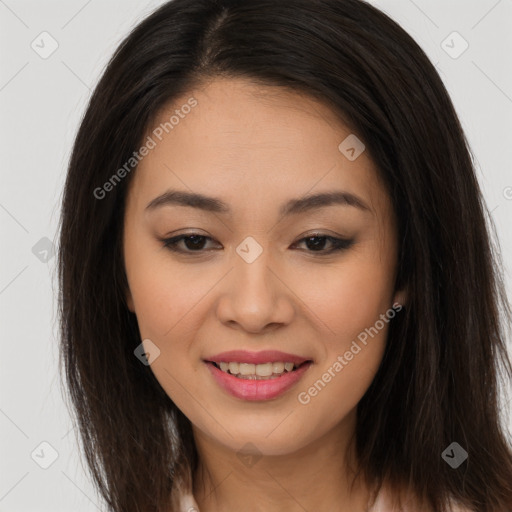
252,144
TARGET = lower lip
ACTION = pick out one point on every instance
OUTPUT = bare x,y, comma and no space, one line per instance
248,389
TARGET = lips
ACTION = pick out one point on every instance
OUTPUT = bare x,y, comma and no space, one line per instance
264,356
257,390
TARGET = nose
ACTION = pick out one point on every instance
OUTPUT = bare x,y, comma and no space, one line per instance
255,297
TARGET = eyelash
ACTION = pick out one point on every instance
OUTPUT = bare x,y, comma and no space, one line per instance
339,244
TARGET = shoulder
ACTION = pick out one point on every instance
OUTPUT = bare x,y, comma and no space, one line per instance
460,508
386,502
188,503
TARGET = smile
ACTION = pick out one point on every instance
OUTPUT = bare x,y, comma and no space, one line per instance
256,371
264,381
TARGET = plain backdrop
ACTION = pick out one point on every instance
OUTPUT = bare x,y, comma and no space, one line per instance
41,103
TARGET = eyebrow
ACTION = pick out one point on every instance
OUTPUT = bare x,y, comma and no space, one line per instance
291,207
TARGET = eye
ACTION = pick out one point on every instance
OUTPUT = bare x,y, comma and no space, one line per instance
193,242
316,242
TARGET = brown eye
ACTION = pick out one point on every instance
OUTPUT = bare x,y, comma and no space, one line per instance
193,243
317,243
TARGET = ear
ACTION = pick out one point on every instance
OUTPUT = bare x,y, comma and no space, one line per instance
400,297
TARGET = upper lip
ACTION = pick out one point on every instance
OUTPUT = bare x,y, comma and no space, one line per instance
264,356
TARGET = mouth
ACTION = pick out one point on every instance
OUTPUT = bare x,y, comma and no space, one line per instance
264,371
257,382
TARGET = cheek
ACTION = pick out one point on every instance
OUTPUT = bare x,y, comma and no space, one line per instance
353,307
163,293
350,296
337,386
170,301
165,304
355,301
356,310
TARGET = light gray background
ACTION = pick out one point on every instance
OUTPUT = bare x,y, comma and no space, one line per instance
41,102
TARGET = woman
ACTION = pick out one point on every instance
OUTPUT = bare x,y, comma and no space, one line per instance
278,290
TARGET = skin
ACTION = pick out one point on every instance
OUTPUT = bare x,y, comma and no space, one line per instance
255,147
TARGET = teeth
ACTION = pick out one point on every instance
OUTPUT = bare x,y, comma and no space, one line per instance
246,368
253,371
278,367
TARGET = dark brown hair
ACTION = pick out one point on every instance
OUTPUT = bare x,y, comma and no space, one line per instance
439,379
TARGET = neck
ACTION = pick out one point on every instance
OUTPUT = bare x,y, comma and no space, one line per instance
318,476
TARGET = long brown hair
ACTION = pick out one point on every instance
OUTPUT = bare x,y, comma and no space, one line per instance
439,379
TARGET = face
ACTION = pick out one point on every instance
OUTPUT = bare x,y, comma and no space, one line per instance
262,266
